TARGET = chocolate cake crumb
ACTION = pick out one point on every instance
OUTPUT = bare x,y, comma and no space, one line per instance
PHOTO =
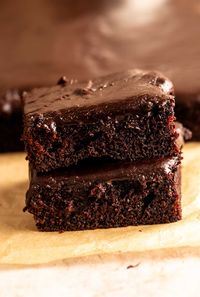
81,91
133,266
62,81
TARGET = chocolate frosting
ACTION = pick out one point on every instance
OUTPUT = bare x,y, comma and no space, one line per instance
42,40
133,85
108,171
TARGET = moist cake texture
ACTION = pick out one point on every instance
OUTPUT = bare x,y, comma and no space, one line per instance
106,195
124,116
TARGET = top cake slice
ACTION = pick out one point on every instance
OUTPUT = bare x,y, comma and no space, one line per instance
123,116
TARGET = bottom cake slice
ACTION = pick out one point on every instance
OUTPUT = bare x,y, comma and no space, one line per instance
106,195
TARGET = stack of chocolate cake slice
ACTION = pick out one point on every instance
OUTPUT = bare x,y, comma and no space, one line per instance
104,153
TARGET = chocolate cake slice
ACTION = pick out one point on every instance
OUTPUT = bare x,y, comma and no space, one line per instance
106,195
125,116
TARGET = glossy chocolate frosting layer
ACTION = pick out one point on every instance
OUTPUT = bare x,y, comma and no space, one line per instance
106,170
119,87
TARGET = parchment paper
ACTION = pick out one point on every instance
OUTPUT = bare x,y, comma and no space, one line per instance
21,243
